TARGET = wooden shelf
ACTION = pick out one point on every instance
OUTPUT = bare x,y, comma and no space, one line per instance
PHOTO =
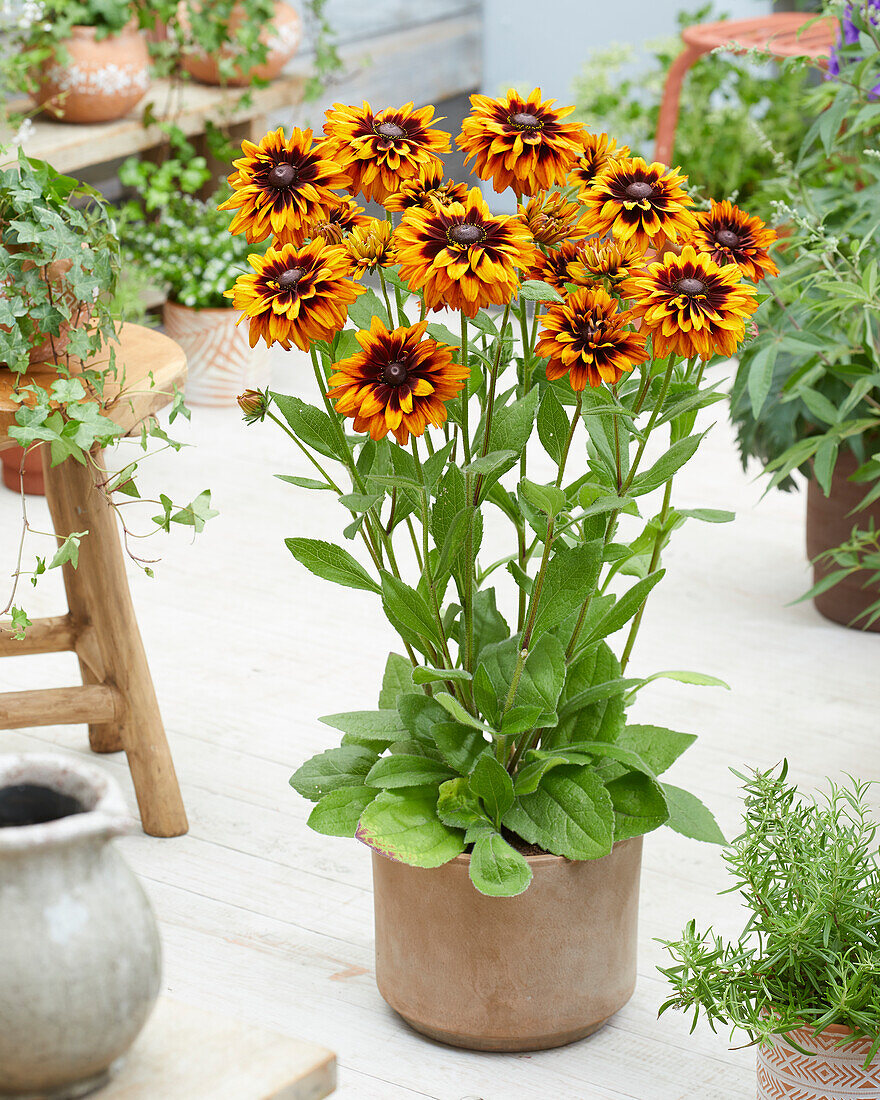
427,63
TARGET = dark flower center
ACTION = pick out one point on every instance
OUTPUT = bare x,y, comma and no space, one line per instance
727,238
289,278
466,234
691,287
390,130
522,120
638,190
394,374
282,175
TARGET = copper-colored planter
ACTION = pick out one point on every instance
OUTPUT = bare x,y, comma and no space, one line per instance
830,524
525,973
827,1073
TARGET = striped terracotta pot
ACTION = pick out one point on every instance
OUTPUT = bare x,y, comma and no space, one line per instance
828,1073
220,362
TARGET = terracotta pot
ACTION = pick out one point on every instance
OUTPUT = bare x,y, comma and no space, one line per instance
220,361
282,38
32,478
525,973
79,945
829,524
827,1074
100,80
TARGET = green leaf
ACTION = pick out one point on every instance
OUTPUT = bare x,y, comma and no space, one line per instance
657,746
485,464
331,563
444,335
491,783
512,424
405,770
344,766
396,681
708,515
303,482
553,425
496,868
367,306
571,576
426,675
68,550
528,777
311,426
545,498
688,816
570,814
458,806
543,674
404,825
407,608
760,379
684,676
368,725
534,290
460,746
639,805
338,813
666,466
453,707
625,608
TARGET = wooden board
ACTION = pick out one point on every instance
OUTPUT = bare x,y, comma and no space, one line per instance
149,366
427,62
267,921
185,1053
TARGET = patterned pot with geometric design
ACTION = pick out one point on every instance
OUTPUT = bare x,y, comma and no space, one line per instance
829,1072
220,361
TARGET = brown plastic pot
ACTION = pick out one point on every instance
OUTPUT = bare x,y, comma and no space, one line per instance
96,79
826,1073
282,38
538,970
830,524
31,478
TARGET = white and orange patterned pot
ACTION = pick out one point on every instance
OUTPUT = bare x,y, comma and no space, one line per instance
96,79
220,361
829,1072
281,38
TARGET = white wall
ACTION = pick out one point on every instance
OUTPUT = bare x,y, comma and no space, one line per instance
545,43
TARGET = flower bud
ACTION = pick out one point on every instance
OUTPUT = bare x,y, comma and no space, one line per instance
254,404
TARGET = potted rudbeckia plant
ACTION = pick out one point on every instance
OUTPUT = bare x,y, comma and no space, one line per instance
500,785
803,978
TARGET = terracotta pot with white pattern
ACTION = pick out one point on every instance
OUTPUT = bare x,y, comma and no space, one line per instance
92,79
220,361
827,1072
281,37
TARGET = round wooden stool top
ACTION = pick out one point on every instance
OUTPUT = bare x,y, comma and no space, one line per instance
148,367
785,34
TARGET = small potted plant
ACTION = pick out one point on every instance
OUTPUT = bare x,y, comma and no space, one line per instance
500,785
807,391
803,978
81,61
179,243
59,265
238,42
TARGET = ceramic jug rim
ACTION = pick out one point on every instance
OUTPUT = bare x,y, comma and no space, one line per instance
105,814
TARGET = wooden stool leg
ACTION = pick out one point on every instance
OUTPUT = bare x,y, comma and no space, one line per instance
112,651
664,146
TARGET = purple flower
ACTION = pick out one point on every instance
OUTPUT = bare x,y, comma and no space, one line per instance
849,36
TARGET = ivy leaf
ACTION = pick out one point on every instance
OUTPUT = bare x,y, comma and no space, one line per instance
68,550
197,513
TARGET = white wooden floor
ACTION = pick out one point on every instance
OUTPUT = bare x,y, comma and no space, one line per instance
264,920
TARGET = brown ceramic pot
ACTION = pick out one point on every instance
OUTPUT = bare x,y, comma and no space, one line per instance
830,524
31,479
99,79
525,973
826,1074
282,38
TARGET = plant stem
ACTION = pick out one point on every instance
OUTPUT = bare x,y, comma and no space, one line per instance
490,401
655,560
426,561
387,299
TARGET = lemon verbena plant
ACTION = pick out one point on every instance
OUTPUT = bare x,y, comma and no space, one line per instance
580,327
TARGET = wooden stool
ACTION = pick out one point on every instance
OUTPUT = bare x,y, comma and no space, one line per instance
779,35
117,698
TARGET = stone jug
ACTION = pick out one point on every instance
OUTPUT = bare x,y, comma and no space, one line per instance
79,945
